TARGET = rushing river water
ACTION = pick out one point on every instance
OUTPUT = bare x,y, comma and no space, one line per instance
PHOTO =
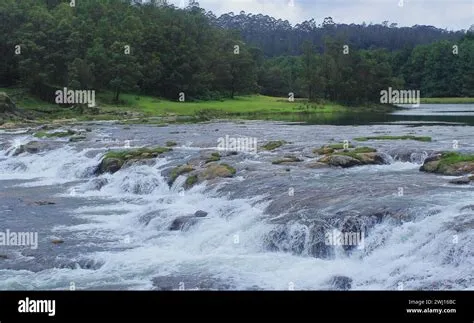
265,226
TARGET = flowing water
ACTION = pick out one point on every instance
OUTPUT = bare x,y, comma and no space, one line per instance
265,227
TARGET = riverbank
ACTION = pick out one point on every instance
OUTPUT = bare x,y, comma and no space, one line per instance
146,109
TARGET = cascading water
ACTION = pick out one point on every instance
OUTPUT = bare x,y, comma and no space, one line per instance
116,227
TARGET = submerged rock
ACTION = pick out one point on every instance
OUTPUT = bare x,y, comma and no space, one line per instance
300,238
77,138
200,214
341,282
287,160
97,183
460,180
33,147
44,203
183,223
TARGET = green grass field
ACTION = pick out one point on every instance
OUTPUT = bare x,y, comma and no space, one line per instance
252,104
246,107
447,100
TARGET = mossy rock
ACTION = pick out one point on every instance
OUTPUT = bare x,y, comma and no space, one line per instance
190,181
272,145
343,161
170,144
288,159
329,149
178,171
323,150
213,158
215,171
449,163
407,137
365,150
59,134
115,160
347,159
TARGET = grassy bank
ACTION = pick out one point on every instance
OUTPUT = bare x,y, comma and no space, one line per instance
447,100
146,109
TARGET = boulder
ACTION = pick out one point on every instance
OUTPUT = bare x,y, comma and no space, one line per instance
114,161
216,170
287,160
449,163
183,223
33,147
371,158
200,214
460,180
97,183
77,138
316,165
109,165
340,161
44,203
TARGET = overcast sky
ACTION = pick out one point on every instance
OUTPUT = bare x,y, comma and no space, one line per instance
450,14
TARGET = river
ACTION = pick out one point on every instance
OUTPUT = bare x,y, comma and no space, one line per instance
265,227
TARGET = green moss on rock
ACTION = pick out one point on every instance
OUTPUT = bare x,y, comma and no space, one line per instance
407,137
59,134
449,163
271,145
191,181
178,171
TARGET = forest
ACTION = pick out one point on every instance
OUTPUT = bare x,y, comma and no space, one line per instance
161,50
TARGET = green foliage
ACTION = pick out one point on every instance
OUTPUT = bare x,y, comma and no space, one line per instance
117,47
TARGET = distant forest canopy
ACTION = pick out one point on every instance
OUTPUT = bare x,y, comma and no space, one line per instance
278,37
161,50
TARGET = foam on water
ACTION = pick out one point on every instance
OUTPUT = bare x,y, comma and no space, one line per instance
130,215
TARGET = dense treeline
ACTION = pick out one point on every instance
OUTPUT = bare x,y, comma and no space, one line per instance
278,37
161,50
111,44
